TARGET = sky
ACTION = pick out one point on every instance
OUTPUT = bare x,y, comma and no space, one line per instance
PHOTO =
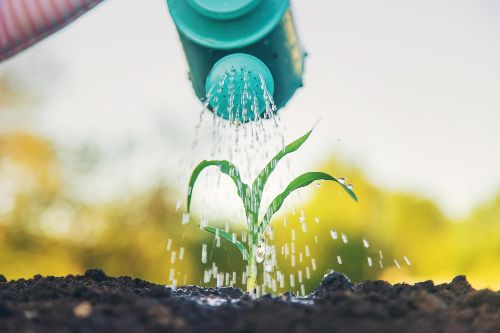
406,91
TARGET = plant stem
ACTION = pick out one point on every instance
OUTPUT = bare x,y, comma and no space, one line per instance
252,265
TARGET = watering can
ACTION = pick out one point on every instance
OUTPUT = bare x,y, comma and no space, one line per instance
241,54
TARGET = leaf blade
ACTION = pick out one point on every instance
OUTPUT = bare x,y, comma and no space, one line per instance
224,167
301,181
227,236
261,180
290,148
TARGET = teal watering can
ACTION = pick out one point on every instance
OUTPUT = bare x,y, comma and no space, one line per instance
241,54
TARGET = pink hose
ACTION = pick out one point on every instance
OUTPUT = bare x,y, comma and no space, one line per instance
25,22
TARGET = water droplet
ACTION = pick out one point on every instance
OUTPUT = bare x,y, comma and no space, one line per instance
317,220
342,180
318,185
181,253
169,244
407,261
334,234
313,263
350,186
381,266
397,264
304,227
381,256
307,251
365,242
178,205
293,234
220,280
172,258
344,238
204,254
339,259
328,271
369,261
185,219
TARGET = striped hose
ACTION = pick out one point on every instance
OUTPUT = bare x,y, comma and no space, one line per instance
25,22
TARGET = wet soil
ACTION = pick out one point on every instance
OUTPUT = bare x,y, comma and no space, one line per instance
99,303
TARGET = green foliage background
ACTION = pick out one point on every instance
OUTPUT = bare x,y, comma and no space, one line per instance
46,231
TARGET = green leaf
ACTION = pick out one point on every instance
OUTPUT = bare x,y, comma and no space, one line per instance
300,181
224,167
260,181
227,236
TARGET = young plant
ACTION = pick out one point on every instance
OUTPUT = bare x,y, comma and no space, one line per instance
252,196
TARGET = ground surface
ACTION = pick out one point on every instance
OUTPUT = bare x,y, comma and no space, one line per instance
99,303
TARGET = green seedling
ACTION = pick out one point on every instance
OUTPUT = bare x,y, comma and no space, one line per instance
252,196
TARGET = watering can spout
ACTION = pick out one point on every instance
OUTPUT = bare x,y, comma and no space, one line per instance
252,40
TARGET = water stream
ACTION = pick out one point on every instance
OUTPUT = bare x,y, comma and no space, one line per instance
248,139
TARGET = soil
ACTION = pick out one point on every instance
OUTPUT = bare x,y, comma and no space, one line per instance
96,303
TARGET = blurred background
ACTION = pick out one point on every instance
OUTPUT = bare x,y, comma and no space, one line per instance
97,123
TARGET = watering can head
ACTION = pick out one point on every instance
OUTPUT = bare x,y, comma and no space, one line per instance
252,41
240,87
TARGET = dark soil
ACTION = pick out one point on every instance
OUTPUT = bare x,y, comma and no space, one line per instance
99,303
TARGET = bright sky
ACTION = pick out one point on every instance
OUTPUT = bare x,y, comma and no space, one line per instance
411,89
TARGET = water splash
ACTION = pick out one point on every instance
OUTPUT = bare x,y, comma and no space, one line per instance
344,238
334,234
365,243
261,252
